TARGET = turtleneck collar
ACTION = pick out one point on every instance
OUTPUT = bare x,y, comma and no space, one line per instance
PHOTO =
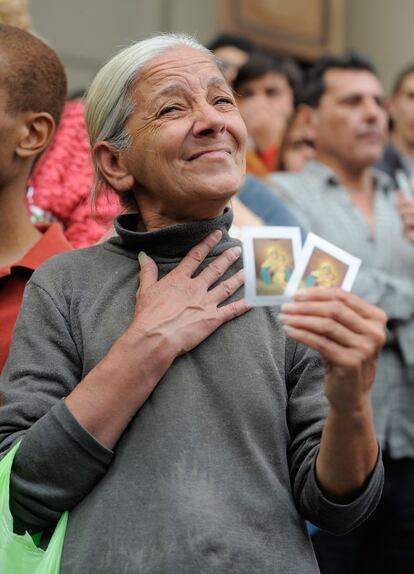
172,242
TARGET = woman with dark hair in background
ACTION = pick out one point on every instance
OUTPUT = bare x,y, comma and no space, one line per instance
266,87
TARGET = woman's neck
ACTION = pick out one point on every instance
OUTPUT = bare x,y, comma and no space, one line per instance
153,218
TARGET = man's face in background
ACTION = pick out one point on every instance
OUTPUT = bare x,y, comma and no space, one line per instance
351,120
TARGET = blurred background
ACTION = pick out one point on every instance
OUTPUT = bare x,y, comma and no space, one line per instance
85,33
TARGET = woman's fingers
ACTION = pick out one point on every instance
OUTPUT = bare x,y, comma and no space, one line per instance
232,310
183,309
216,269
336,332
335,312
148,271
338,295
227,288
197,254
334,321
332,353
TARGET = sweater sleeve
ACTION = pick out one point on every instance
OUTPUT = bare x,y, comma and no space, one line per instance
307,409
58,461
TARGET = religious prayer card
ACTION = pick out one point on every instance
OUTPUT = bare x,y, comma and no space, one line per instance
270,254
322,264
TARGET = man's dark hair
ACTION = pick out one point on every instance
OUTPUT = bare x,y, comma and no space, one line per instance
224,40
259,64
405,72
31,74
315,86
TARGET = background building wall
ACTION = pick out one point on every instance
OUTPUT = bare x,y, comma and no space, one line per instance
383,30
86,33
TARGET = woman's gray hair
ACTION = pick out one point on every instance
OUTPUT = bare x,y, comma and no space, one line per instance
109,103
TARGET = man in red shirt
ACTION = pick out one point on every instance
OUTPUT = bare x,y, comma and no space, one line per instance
32,96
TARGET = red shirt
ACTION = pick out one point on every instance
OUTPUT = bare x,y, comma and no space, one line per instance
269,157
13,279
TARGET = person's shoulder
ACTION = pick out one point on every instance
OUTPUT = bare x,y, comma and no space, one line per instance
296,179
69,266
289,183
73,256
256,189
308,185
286,178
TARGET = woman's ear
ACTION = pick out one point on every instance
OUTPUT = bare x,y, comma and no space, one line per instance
111,165
37,130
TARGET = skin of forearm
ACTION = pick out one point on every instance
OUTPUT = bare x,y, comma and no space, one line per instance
348,453
106,400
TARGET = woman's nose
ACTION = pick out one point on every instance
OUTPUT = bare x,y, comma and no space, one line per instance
208,120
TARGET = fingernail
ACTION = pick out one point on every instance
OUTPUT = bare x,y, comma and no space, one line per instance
236,250
142,258
300,294
288,330
287,307
217,234
281,317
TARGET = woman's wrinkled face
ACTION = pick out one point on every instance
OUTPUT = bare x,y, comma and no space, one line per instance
187,152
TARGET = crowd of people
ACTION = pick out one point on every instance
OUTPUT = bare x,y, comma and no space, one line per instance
184,431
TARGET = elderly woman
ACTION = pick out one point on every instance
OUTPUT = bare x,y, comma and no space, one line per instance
181,429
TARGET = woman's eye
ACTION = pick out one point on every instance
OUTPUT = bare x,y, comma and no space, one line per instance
224,100
168,110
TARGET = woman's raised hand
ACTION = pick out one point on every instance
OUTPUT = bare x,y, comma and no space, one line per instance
181,310
347,331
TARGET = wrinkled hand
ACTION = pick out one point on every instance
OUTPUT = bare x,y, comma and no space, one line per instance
180,310
405,208
348,333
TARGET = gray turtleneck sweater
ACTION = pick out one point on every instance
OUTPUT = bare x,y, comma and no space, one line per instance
214,474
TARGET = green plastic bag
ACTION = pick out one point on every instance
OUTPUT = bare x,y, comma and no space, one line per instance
18,553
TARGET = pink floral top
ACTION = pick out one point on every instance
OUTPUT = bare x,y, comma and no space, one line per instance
61,182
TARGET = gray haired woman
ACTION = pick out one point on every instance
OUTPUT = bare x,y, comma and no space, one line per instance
182,430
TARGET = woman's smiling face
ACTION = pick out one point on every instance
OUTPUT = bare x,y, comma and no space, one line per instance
187,151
